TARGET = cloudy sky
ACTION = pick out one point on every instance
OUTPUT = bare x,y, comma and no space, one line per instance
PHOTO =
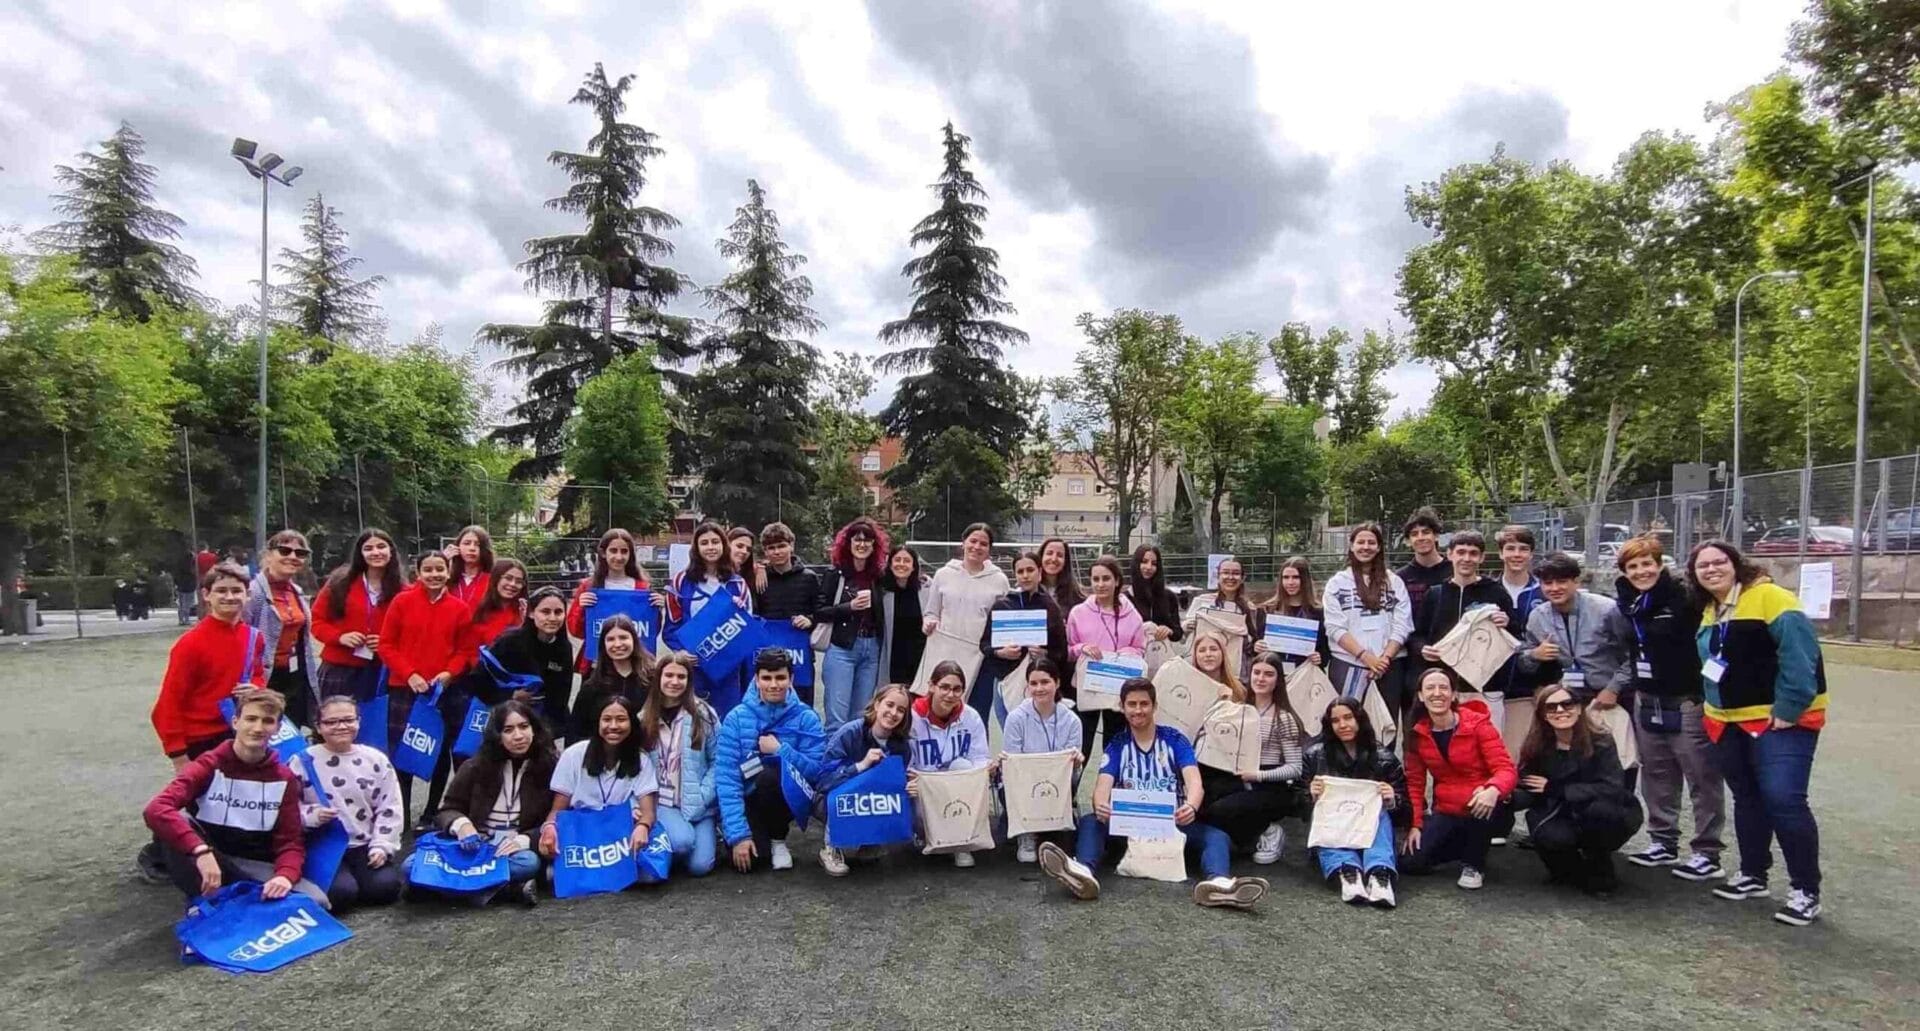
1239,164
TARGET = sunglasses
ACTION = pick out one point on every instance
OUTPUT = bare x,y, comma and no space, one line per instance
290,551
1566,706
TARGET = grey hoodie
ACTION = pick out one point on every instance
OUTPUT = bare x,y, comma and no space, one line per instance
1026,731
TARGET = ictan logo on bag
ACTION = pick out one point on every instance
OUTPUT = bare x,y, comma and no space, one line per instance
722,635
416,740
288,931
435,859
477,721
599,857
286,732
867,804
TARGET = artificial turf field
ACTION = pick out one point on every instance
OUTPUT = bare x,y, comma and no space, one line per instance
916,943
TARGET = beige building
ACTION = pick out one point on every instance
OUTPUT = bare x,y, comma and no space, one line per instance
1074,506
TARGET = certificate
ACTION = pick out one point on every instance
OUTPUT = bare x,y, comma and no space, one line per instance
1143,814
1292,635
1019,628
1100,680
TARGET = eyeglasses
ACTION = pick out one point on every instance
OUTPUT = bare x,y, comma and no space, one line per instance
1566,706
1712,563
340,721
290,551
949,688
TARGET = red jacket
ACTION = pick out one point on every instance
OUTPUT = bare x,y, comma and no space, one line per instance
329,625
1475,758
423,636
469,591
204,667
577,617
246,810
478,633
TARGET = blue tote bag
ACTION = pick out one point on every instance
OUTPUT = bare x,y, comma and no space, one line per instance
287,743
799,794
615,601
596,851
420,740
441,864
798,644
372,702
326,845
236,930
871,808
473,729
656,860
721,636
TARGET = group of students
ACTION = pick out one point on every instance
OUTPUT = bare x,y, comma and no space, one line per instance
1722,678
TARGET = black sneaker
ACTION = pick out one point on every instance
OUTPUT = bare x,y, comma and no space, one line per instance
1740,888
527,895
1655,855
149,866
1801,909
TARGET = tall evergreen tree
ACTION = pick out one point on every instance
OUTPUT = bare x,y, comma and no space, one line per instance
956,381
116,233
751,394
318,294
612,289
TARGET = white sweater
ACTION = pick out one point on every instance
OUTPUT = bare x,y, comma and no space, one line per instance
1344,614
963,599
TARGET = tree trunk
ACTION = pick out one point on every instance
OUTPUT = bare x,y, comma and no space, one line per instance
1600,480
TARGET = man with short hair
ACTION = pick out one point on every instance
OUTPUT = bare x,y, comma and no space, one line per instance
233,814
769,729
1448,601
1516,570
1151,758
792,593
1579,632
1429,567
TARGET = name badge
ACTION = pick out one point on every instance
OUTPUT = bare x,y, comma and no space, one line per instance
293,662
1643,669
1713,669
751,768
1573,679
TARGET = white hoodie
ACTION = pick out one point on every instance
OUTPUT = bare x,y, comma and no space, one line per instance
961,600
960,745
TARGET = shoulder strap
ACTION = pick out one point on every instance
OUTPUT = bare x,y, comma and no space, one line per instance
253,647
313,778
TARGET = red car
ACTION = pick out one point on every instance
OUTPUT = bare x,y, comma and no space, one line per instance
1821,540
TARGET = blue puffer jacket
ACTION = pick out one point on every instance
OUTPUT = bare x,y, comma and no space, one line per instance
850,744
802,744
696,764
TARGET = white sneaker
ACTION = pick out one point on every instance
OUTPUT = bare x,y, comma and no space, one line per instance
1700,868
1801,909
1029,848
1055,863
1230,892
1267,850
1470,879
1352,891
1380,891
782,856
833,862
963,860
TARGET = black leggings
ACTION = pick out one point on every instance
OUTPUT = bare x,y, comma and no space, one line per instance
768,817
1243,811
359,884
1107,721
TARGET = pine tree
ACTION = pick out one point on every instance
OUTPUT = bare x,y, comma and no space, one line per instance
612,289
115,232
318,294
956,381
749,403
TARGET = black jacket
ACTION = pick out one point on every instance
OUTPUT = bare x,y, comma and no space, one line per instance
1162,610
1586,802
521,650
1421,579
994,667
836,607
1665,624
1324,759
1439,612
795,592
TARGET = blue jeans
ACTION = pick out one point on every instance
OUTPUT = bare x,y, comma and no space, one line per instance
1376,856
848,676
1449,839
523,865
1768,778
1215,848
693,843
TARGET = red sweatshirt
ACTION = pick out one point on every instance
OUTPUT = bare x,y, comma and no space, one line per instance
1475,757
328,625
244,810
203,667
423,636
479,633
577,617
469,591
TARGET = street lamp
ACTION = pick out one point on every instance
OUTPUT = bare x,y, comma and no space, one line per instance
268,170
1739,494
1855,591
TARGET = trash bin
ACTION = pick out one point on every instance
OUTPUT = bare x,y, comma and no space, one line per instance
29,613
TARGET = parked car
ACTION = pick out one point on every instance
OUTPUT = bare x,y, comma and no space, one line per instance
1902,530
1821,540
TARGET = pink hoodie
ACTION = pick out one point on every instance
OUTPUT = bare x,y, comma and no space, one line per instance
1087,624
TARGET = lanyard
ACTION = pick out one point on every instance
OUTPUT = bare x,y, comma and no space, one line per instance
1113,626
512,785
1640,607
1047,725
605,794
1573,634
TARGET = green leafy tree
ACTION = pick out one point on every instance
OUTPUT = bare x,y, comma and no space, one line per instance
119,238
956,379
1360,398
965,478
752,394
1115,405
619,437
1309,366
98,388
612,284
1387,475
1861,57
1210,413
846,432
1283,482
318,294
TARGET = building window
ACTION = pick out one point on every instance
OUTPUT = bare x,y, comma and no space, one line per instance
1076,487
870,463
